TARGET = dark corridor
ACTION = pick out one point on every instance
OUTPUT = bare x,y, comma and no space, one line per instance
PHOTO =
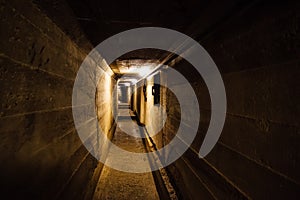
256,47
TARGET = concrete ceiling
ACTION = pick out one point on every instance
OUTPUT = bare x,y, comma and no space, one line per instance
99,20
102,19
96,20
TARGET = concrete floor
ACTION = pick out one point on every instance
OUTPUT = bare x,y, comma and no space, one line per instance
114,184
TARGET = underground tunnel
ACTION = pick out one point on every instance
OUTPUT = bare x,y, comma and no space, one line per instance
134,105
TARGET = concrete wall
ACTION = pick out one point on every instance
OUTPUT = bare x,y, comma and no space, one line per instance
257,156
41,155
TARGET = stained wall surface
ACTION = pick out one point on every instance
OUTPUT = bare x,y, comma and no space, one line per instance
257,53
42,156
260,66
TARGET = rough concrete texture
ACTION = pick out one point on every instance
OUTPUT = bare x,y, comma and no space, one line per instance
255,45
257,156
41,155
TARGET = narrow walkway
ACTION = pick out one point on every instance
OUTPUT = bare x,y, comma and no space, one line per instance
118,185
